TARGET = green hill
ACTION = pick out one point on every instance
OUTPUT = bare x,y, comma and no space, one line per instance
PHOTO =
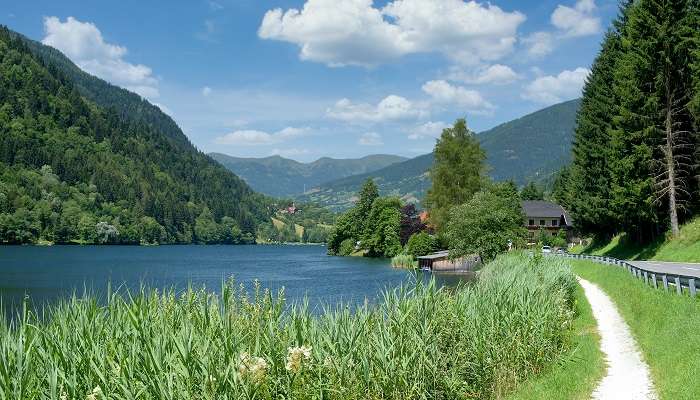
282,177
81,159
685,248
533,147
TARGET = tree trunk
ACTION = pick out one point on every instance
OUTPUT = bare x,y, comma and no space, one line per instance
671,162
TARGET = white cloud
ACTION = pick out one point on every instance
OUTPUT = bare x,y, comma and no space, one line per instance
251,137
428,130
370,139
578,20
390,108
443,93
539,44
354,32
554,89
206,91
496,74
290,152
83,43
215,6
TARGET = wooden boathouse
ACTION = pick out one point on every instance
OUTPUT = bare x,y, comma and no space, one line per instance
440,261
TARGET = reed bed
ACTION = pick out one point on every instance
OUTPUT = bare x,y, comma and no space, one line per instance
404,261
422,342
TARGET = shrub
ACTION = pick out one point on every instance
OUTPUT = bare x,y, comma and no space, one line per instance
420,244
347,247
404,261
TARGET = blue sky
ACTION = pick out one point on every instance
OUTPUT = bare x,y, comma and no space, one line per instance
339,78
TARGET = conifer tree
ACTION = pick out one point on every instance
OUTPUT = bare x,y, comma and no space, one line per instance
589,179
653,132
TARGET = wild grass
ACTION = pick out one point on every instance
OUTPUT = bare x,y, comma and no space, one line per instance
685,248
404,261
575,374
423,342
664,325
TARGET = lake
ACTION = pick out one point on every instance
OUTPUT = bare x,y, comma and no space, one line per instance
48,273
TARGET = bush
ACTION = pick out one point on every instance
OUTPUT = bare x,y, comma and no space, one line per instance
420,342
404,261
420,244
347,247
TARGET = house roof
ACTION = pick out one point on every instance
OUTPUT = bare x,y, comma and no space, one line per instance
544,209
434,256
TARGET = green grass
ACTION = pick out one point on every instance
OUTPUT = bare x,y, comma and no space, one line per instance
685,248
404,261
478,341
665,325
576,372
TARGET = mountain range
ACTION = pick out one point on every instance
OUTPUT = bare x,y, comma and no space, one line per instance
282,177
77,152
530,148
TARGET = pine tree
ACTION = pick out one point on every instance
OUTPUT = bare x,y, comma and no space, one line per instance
532,192
588,195
653,131
458,171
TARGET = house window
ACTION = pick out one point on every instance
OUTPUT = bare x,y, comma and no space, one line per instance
531,222
555,222
543,223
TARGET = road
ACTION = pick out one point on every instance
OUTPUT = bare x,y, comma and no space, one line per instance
678,268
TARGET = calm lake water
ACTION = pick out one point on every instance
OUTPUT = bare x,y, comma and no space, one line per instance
50,273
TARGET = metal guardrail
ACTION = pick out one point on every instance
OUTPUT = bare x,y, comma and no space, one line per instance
656,279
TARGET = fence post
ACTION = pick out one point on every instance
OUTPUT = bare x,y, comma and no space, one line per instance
679,288
653,280
665,279
691,287
646,278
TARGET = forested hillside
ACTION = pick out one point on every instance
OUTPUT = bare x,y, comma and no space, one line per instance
282,177
636,152
84,161
531,148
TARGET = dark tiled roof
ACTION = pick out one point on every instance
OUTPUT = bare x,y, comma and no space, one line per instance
545,209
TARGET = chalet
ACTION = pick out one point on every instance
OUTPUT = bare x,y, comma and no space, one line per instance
547,216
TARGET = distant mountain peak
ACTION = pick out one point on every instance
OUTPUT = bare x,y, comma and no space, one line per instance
283,177
532,147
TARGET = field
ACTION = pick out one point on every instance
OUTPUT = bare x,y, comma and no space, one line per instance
479,341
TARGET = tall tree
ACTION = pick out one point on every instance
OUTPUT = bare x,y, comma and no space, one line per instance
532,192
458,171
589,178
487,224
654,82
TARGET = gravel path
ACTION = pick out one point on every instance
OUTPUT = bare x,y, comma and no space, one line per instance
628,375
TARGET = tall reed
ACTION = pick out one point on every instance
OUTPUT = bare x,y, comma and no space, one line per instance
420,342
404,261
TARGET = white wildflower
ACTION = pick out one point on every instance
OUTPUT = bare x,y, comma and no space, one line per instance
296,356
95,394
253,367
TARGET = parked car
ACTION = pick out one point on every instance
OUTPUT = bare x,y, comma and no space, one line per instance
546,249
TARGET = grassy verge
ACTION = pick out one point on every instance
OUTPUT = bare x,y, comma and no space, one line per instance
665,326
576,372
685,248
479,341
